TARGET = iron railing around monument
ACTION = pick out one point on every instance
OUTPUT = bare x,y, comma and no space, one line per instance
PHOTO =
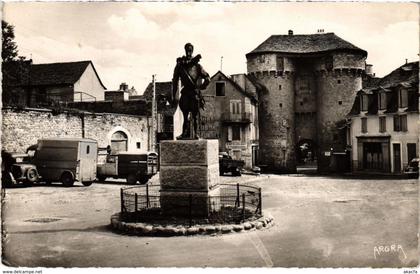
235,203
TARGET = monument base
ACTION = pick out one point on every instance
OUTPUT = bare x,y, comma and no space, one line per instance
189,177
190,203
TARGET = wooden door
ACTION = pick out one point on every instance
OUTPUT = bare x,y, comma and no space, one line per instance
397,157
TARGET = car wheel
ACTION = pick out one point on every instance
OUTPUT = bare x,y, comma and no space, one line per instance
32,175
101,178
87,183
143,179
131,179
67,179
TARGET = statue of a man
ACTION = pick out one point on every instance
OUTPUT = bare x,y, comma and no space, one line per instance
193,79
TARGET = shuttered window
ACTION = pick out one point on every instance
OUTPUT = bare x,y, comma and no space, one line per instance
364,124
382,124
402,98
403,122
382,100
397,126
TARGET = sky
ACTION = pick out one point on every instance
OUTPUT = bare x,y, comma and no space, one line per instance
129,42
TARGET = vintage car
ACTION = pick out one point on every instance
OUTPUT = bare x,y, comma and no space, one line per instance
412,170
131,166
227,164
17,168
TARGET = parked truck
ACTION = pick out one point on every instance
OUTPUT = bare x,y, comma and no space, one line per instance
131,166
67,160
227,164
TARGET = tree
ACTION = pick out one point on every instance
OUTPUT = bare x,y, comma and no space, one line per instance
9,47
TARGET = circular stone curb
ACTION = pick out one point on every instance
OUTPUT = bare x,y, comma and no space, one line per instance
146,229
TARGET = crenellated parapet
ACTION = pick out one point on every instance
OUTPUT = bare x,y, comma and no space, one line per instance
272,73
338,72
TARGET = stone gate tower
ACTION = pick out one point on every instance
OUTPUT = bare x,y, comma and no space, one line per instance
309,85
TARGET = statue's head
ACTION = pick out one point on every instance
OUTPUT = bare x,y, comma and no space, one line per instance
189,48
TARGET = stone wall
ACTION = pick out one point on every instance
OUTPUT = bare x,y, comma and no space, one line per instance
22,128
276,126
336,94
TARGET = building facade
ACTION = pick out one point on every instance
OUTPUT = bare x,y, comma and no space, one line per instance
383,130
33,85
231,116
309,85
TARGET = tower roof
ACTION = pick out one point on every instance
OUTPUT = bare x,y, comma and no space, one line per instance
305,44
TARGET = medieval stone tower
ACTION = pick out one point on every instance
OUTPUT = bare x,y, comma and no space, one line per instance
309,85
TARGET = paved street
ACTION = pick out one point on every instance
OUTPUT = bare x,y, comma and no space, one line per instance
320,222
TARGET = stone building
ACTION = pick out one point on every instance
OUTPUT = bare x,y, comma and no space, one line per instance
383,131
28,84
67,100
22,128
309,85
231,116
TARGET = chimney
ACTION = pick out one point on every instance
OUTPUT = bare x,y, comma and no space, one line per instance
239,79
369,70
320,31
290,32
406,61
123,87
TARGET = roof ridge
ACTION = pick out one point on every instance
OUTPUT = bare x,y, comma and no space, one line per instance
72,62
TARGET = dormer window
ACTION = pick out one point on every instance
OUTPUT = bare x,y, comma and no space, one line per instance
364,100
382,100
402,98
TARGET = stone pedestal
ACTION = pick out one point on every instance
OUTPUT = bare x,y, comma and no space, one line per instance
189,175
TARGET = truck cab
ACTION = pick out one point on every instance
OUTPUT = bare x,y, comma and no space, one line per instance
130,166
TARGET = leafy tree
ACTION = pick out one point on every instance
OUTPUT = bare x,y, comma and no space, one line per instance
9,47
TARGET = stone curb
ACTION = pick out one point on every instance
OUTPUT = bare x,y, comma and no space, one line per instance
145,229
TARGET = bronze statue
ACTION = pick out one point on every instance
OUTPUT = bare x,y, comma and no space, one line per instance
193,79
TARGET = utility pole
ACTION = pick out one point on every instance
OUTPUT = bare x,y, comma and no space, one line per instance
153,139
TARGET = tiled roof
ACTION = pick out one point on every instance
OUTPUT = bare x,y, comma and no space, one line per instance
59,73
406,77
305,44
238,87
406,73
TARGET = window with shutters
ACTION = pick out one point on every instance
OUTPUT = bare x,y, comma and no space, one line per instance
382,100
402,98
397,125
403,122
235,107
382,124
364,100
364,124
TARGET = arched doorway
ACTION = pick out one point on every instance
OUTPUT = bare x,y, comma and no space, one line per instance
306,156
119,142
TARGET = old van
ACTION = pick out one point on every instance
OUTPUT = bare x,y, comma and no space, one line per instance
67,160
